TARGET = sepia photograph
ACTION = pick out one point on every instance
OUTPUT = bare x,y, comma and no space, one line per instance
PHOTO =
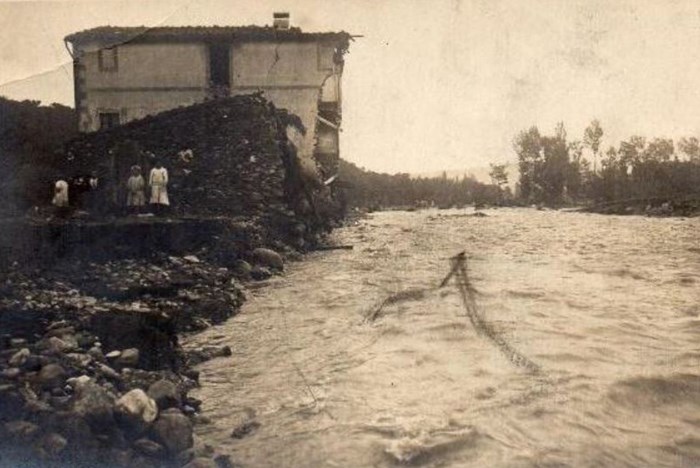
349,233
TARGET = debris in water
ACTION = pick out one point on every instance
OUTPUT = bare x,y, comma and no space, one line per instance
467,291
401,296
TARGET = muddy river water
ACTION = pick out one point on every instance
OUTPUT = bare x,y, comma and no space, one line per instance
608,308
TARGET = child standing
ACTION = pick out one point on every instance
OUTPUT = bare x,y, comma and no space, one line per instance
136,195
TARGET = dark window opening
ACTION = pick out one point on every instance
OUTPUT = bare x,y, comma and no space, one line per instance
219,65
107,59
109,120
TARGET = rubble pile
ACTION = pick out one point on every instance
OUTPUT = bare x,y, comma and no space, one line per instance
91,373
226,157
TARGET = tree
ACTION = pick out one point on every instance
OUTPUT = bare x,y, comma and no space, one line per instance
528,147
555,168
499,175
576,176
659,150
690,147
592,137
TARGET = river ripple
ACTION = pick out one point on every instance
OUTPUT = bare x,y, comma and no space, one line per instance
607,306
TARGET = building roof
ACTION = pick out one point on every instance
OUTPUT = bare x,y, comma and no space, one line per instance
115,35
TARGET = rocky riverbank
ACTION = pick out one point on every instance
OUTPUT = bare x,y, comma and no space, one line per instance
92,302
91,372
658,207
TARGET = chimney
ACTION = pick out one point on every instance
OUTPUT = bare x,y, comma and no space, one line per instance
280,20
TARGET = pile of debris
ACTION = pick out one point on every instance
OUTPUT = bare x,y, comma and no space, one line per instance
227,157
91,373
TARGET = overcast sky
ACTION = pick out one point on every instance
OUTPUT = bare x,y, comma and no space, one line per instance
439,84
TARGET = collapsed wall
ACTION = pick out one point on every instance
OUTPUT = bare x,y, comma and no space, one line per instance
227,157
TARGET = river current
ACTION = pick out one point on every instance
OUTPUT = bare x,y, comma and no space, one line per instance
355,358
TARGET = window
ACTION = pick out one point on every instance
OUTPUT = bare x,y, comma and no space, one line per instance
109,120
107,59
220,65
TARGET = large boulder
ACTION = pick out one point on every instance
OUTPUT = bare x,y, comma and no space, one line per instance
268,258
95,405
174,431
165,393
136,409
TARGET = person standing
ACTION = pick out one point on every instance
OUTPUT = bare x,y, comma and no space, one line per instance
60,194
60,198
158,181
135,186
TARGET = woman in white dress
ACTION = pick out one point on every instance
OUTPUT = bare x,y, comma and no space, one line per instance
159,186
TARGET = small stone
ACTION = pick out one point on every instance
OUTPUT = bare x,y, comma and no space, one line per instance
113,355
53,444
57,324
19,358
242,269
79,359
21,430
192,374
55,345
96,353
85,340
61,331
191,258
128,358
149,448
245,429
77,382
17,342
33,363
51,375
108,371
259,273
124,457
223,461
11,373
60,402
268,258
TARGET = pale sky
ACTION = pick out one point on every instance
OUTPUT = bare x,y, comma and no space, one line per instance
433,85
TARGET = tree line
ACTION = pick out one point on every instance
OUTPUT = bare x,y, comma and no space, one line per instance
368,189
554,170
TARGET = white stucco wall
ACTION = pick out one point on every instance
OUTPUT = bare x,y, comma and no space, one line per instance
152,78
151,65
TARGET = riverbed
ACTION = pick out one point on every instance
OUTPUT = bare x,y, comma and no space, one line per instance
355,358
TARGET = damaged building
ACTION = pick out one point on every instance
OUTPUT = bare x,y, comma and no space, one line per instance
127,73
